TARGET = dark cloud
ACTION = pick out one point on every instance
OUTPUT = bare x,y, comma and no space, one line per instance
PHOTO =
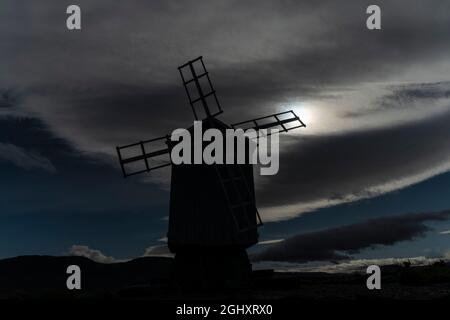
93,254
405,97
259,53
329,168
116,82
158,250
99,256
8,98
24,159
336,244
426,91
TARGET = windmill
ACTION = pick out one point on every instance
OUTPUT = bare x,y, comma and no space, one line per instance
213,218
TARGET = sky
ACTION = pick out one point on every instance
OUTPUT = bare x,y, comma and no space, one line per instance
368,178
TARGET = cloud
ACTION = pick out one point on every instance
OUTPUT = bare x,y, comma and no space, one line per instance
356,265
336,244
270,241
8,98
407,97
25,159
157,251
95,255
99,256
323,170
116,82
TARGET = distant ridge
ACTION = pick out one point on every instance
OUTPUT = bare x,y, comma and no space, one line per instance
31,275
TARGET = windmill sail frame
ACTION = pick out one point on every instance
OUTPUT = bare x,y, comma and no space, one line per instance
277,123
203,88
143,156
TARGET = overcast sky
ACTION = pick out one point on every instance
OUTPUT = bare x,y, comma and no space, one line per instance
376,103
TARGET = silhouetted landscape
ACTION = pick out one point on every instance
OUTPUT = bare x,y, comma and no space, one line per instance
148,278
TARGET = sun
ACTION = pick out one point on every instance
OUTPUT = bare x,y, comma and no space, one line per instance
304,111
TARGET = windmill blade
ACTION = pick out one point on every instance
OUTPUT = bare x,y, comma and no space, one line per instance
238,196
285,121
137,154
199,89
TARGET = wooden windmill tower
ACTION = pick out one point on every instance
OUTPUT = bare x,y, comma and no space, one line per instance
213,218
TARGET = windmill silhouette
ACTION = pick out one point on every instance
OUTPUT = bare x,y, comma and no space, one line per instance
213,218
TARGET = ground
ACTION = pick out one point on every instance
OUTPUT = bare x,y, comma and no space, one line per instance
149,279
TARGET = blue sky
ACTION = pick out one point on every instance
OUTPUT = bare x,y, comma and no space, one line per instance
87,202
